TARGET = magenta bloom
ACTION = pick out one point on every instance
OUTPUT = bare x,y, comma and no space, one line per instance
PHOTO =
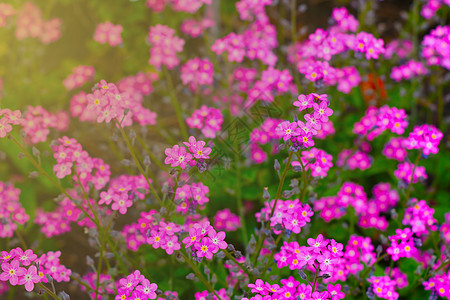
204,248
217,239
258,287
335,292
198,148
304,102
177,156
317,244
322,111
122,204
147,289
30,278
194,235
156,238
171,244
12,271
287,129
27,257
326,261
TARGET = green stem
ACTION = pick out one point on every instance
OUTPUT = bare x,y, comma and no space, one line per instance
200,275
278,195
136,161
315,281
228,254
48,291
176,105
280,185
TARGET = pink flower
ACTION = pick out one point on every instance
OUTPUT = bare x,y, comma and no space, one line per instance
12,271
205,248
27,257
217,239
322,111
171,244
121,204
304,102
326,261
198,148
30,278
318,243
195,234
156,238
147,288
335,292
177,156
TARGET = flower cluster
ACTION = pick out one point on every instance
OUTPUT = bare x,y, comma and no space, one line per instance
345,21
431,7
299,133
136,286
424,137
79,76
316,160
205,240
208,119
197,72
321,254
409,70
165,46
123,191
195,28
435,47
395,149
439,284
69,153
262,135
256,42
222,293
135,88
445,228
6,11
420,217
50,265
377,120
191,196
383,287
368,211
108,103
164,235
37,121
108,33
189,6
135,234
178,156
31,24
272,81
402,244
290,214
400,48
359,252
58,221
405,171
13,264
292,289
354,159
226,220
8,118
11,211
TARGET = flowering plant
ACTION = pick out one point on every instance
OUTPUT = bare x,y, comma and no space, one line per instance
206,149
